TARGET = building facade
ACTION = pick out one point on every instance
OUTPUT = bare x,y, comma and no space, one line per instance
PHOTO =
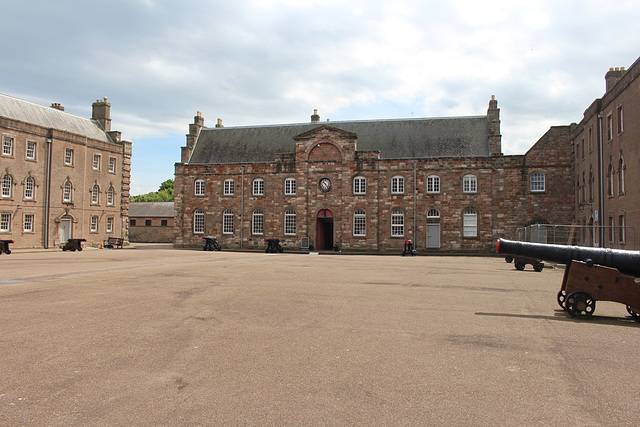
62,176
151,222
607,154
368,185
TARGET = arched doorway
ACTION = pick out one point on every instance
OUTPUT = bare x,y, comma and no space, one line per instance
324,230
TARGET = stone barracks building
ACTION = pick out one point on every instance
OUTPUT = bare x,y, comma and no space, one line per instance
62,175
369,185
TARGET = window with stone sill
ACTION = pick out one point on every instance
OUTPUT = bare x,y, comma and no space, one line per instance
30,153
7,146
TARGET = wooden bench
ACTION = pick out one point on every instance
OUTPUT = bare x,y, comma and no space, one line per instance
113,242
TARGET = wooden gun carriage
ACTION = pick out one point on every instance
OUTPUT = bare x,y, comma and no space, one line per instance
73,245
591,274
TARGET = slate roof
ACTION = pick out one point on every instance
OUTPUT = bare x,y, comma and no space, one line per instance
394,138
50,118
151,210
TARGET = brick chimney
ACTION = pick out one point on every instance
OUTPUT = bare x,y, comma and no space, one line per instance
57,106
192,137
493,117
613,75
219,124
315,117
102,113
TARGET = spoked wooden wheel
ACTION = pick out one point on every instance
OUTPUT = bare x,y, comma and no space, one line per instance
562,296
580,304
634,312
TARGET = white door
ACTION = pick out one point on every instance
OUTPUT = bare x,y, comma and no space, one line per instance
433,235
65,230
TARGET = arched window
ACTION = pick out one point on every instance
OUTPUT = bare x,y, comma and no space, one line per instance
67,191
470,223
257,222
591,183
469,184
290,222
199,187
537,182
198,221
359,223
397,185
359,185
229,187
397,223
433,214
227,222
29,188
7,183
610,181
433,184
95,194
258,187
621,168
111,196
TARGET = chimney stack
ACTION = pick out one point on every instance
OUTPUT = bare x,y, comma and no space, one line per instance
315,117
57,106
102,113
613,76
219,124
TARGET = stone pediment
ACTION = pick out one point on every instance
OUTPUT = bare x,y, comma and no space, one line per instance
324,131
326,144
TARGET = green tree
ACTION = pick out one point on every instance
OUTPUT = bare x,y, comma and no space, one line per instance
164,194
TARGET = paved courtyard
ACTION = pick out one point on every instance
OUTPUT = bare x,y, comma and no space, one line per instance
150,335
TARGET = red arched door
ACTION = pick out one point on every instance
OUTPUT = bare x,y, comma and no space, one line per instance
324,230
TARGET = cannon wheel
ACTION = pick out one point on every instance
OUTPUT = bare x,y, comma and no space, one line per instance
520,266
79,248
580,304
635,314
538,267
508,259
562,297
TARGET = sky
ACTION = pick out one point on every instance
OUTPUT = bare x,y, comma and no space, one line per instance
256,62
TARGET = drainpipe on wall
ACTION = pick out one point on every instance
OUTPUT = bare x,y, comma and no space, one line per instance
415,202
242,211
47,189
600,210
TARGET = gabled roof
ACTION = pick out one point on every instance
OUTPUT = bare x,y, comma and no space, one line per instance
50,118
151,210
395,139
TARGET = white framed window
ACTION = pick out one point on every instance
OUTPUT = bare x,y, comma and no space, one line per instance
96,162
621,183
67,189
227,222
109,224
397,223
257,222
7,184
469,184
359,223
68,156
112,164
623,234
198,221
610,181
609,127
470,223
258,187
111,196
30,153
433,184
7,145
28,223
94,224
290,222
397,185
359,185
290,187
199,187
5,222
29,188
229,187
433,214
95,194
620,119
537,182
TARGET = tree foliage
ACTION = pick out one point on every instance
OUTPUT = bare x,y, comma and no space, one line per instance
164,194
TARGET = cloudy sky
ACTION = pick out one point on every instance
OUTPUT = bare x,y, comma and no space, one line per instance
254,62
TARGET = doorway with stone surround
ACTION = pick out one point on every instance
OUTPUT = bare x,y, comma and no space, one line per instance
324,230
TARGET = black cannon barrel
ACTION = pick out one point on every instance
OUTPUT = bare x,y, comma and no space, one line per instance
627,262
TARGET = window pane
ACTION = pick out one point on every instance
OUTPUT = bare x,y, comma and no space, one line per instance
198,221
359,223
257,223
227,222
290,222
397,223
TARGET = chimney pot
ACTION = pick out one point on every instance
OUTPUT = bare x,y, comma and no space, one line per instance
315,117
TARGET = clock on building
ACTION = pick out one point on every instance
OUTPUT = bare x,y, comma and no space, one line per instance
325,184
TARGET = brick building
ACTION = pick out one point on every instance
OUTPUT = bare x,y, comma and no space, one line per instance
151,222
369,185
62,175
607,153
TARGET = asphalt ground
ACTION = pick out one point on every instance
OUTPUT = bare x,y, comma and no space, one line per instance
149,335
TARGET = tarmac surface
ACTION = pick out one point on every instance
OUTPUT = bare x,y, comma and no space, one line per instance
150,335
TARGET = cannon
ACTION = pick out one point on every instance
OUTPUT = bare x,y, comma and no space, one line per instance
73,245
211,244
409,248
4,246
273,246
521,262
591,274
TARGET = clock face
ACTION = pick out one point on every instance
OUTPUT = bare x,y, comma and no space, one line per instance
325,184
